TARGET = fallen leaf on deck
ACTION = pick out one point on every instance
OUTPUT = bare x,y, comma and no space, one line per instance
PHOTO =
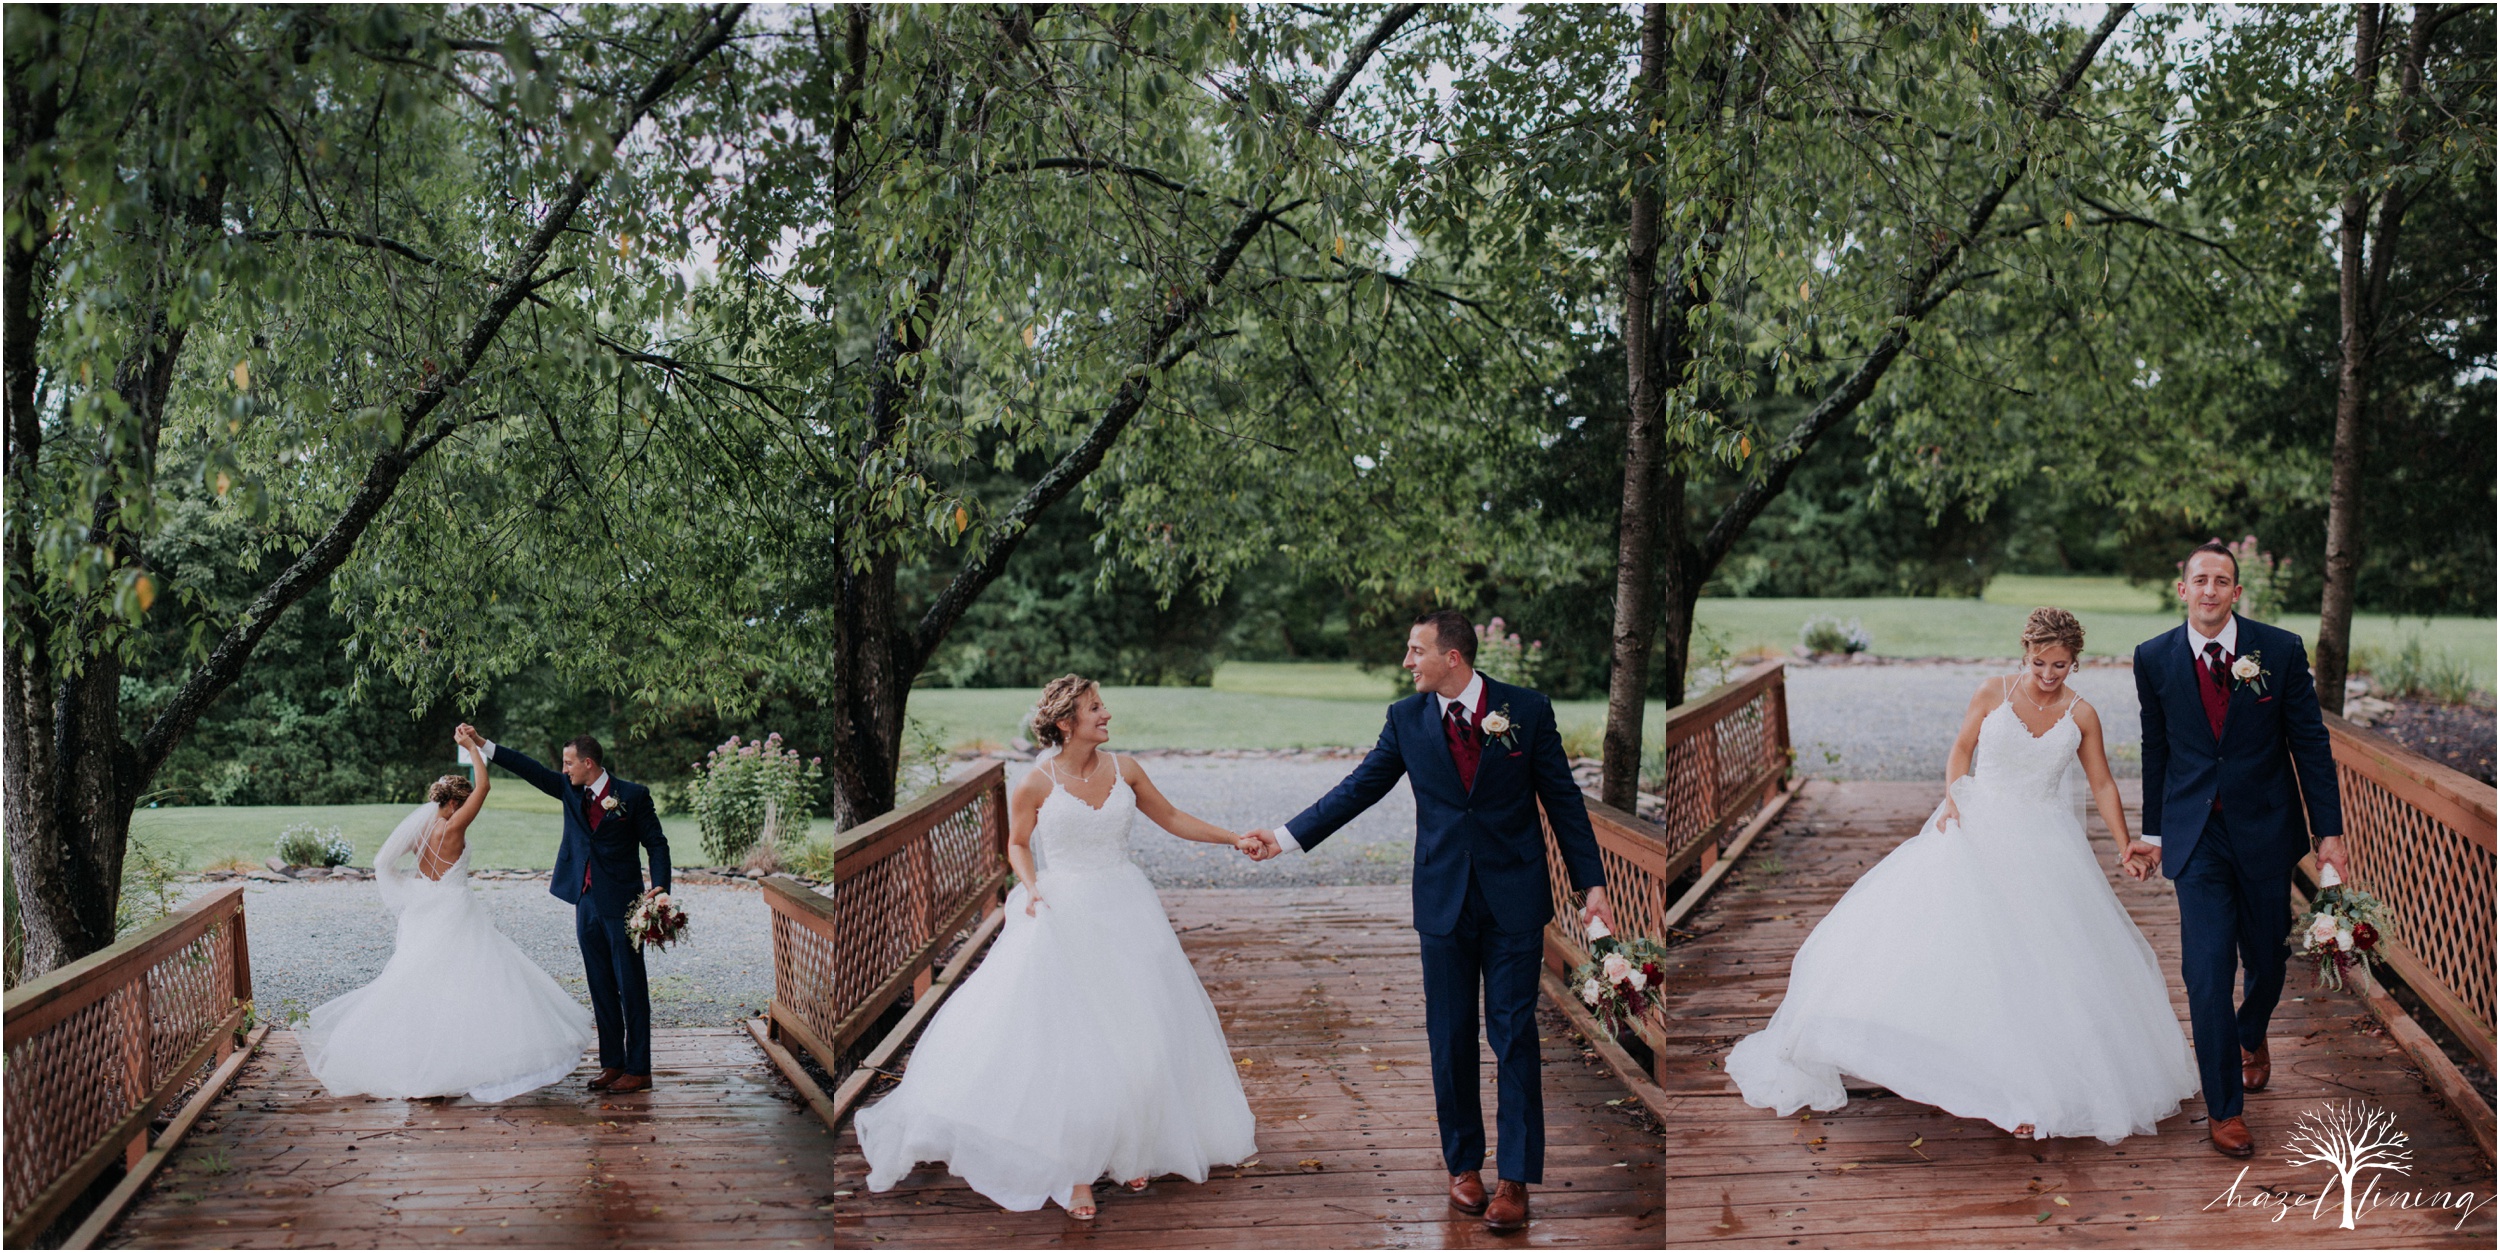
1917,1142
2044,1217
1848,1165
2061,1200
1309,1163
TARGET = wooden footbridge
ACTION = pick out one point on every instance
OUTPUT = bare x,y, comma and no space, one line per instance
146,1107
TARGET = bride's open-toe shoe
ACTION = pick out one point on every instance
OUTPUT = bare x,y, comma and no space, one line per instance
1136,1185
2027,1131
1081,1205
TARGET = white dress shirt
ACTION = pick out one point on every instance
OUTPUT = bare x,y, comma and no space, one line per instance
1470,696
2229,638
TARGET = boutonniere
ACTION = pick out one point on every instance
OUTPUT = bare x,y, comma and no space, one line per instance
1499,729
608,802
2250,671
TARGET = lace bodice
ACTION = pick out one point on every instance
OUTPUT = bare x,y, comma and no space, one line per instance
2014,762
1072,835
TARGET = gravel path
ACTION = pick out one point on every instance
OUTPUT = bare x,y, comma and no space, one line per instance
313,941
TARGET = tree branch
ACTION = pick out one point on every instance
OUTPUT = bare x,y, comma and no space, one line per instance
1164,348
1920,297
382,477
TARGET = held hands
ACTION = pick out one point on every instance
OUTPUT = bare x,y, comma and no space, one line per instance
2139,859
1258,845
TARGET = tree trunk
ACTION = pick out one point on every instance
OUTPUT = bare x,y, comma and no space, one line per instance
1636,534
2361,288
862,710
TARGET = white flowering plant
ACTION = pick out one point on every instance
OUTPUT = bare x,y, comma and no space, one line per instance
742,787
2340,931
1619,984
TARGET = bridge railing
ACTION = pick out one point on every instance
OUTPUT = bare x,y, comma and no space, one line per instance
1725,754
96,1050
904,886
2420,838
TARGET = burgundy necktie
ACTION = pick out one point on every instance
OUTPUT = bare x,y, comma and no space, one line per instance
1464,750
2217,694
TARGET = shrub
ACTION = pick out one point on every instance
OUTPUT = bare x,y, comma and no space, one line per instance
306,845
1501,655
1824,633
745,792
2417,672
2262,580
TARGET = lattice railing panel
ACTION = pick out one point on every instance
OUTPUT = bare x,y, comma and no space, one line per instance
99,1044
2434,882
902,884
67,1086
1723,753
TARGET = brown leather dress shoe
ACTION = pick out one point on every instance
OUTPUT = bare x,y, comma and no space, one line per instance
1508,1210
2231,1138
600,1081
2255,1069
1467,1192
630,1083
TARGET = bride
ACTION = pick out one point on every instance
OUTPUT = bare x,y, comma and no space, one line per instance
1083,1046
1985,966
458,1008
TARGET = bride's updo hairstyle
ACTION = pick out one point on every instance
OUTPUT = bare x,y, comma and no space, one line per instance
1059,701
2049,626
451,789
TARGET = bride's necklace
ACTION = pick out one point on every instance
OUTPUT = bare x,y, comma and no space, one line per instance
2024,688
1088,776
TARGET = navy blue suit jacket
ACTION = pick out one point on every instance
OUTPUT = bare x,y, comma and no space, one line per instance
1490,831
615,870
2273,753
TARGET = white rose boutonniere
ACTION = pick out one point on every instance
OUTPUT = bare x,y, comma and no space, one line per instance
608,803
2249,670
1499,729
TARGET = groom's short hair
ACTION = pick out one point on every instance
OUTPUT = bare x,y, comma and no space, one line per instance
1452,631
2219,549
587,748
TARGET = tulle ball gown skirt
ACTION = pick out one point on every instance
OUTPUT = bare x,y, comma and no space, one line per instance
459,1009
1082,1047
1986,969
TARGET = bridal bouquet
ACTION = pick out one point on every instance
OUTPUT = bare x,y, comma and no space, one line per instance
1617,982
655,920
2338,933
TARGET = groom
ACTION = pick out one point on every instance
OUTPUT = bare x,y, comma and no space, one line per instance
2234,752
599,875
1481,754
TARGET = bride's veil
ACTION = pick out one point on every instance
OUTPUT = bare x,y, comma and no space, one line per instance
387,876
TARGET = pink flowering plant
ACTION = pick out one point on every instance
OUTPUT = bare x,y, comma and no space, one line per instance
746,791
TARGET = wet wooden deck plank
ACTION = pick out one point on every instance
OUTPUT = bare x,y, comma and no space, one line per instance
717,1154
1319,990
1851,1178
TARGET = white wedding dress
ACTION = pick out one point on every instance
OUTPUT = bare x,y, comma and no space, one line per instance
459,1008
1986,969
1082,1046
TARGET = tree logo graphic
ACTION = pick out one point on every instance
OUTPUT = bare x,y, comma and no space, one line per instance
2352,1137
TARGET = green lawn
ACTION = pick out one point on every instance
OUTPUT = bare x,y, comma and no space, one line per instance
1270,705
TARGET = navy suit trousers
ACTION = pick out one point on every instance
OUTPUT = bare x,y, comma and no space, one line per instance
1479,957
2235,916
620,993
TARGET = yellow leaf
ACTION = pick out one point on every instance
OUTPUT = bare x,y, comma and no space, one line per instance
1028,337
1744,446
225,482
1308,1163
2070,219
1232,23
242,376
962,519
2062,1201
1848,1165
1341,246
1917,1142
1805,289
144,588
